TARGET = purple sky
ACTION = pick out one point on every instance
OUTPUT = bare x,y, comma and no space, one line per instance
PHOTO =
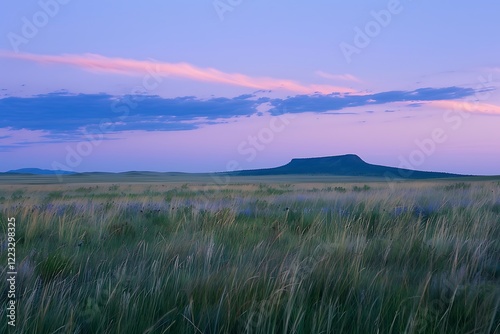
235,84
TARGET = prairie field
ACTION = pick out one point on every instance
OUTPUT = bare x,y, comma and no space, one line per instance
254,257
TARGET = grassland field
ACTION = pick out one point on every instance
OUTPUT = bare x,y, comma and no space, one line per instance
135,254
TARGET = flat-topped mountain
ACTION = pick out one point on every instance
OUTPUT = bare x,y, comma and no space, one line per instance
343,165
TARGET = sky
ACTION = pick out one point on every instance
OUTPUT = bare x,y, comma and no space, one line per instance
222,85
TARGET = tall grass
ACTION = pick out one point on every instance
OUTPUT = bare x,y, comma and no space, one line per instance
256,258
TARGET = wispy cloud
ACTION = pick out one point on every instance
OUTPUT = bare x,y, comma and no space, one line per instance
49,112
11,138
125,66
344,77
472,107
90,112
322,103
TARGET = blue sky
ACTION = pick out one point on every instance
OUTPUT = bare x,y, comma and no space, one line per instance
216,85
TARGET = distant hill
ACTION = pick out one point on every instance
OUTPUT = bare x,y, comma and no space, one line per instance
38,171
342,165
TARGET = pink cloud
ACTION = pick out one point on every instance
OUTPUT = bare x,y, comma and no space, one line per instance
344,77
134,67
12,136
482,108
